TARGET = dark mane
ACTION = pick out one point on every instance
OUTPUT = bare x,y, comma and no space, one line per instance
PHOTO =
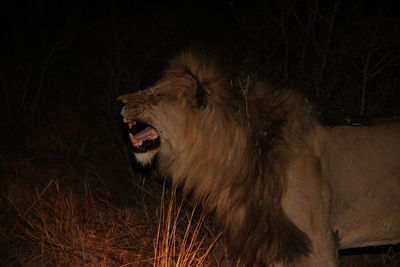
268,233
267,123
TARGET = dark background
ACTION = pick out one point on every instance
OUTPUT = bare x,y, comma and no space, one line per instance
333,50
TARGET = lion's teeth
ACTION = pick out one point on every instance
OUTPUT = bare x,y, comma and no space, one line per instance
134,140
129,122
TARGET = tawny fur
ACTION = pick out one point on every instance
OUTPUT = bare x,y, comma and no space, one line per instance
253,156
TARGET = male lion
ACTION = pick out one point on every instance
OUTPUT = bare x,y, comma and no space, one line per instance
286,190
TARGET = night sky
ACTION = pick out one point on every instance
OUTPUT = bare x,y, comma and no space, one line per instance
65,45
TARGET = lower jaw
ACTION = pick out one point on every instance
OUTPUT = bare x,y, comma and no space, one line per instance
146,158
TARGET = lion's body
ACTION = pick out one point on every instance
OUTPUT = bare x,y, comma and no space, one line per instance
362,166
285,189
354,171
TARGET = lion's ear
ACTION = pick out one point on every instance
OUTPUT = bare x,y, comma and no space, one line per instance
200,94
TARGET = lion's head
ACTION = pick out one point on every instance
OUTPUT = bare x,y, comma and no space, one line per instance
154,116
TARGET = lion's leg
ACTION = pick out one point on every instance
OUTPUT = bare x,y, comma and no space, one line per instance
307,204
324,252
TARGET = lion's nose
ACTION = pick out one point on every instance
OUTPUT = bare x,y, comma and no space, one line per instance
123,98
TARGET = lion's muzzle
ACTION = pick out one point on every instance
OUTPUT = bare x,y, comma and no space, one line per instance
142,136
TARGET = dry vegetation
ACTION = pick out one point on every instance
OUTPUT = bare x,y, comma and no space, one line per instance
51,225
69,193
46,223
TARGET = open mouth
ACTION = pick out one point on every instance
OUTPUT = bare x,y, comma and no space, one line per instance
142,136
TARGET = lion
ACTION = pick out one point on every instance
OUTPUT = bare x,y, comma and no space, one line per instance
285,189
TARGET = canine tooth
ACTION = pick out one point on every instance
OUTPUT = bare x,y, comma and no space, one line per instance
130,124
133,139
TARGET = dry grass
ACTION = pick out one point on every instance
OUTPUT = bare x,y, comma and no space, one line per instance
64,228
181,246
46,223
